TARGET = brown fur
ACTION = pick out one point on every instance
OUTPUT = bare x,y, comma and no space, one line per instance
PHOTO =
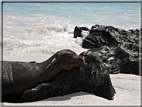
18,77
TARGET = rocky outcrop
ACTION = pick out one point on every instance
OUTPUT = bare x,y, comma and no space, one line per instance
92,77
118,48
110,36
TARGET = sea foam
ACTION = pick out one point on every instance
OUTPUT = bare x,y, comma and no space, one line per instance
37,35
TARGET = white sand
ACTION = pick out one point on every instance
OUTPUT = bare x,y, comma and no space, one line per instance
38,57
127,88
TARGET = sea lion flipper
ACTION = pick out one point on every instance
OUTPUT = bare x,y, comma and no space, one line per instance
7,73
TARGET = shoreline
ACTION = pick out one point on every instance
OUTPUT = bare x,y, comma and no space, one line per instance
38,57
46,20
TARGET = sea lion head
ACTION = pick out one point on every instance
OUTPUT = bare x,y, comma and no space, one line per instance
69,59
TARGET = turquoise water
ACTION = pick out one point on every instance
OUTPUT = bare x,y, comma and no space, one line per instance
115,14
48,27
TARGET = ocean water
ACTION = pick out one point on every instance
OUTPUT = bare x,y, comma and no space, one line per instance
48,27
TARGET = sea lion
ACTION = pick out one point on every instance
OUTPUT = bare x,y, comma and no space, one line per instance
18,77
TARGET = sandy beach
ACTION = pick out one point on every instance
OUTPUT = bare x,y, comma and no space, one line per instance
127,88
36,31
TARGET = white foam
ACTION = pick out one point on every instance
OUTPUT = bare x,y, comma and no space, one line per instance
79,40
84,33
42,36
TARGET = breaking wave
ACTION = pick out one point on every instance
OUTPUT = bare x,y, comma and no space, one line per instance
37,35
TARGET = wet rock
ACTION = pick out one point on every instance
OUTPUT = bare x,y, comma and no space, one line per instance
124,45
92,77
129,56
108,35
119,59
81,32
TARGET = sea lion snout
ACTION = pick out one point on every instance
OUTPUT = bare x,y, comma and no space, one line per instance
78,60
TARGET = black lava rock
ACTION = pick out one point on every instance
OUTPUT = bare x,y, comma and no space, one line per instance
124,45
78,30
108,35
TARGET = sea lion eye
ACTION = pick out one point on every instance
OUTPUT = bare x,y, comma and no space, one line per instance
58,54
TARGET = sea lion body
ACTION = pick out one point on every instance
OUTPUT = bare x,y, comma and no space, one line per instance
16,74
18,77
